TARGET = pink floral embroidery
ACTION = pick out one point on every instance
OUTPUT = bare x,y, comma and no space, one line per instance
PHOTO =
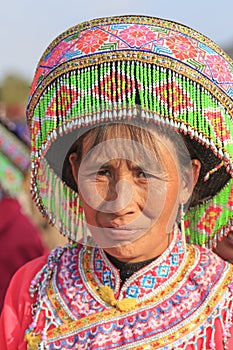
137,35
91,41
140,329
57,55
127,333
181,47
230,286
101,338
152,323
115,336
219,68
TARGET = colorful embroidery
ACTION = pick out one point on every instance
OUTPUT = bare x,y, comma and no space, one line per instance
171,311
14,160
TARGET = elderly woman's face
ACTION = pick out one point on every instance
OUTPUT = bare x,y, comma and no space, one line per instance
130,196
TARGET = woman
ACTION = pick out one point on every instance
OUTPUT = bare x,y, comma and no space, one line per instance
115,105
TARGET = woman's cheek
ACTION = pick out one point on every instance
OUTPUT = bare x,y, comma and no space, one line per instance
161,199
154,198
92,193
87,190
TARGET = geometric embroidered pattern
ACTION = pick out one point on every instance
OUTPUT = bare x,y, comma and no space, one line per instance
149,281
171,315
206,224
163,271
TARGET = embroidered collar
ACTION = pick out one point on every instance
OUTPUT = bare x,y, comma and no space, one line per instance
96,271
176,298
126,269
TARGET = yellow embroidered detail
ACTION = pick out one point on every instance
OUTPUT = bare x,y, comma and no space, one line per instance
33,340
107,295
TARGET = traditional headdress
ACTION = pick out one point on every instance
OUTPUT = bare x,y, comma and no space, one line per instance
100,71
14,156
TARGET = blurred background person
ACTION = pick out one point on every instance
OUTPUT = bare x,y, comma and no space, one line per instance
224,247
20,239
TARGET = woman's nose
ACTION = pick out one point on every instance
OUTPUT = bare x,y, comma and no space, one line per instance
120,196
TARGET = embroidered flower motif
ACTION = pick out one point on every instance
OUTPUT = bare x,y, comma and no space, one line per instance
115,336
219,68
140,329
127,333
101,339
56,55
152,323
230,286
181,47
71,291
91,40
137,35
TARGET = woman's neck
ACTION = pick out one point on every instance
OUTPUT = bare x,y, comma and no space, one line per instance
127,269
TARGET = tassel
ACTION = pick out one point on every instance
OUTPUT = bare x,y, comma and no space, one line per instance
107,295
207,176
182,226
126,304
33,340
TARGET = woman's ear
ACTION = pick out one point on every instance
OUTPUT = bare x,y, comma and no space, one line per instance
74,166
196,166
189,181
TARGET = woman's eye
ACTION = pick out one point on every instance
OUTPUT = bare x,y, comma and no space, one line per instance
103,172
146,175
143,174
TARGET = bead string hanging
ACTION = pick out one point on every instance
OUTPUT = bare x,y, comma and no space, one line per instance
88,95
107,86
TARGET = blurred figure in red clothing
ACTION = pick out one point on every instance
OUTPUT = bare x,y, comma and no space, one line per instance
20,240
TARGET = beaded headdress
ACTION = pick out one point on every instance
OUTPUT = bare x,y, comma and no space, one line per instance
100,71
14,156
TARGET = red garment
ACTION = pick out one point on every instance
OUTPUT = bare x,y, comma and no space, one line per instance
20,242
16,314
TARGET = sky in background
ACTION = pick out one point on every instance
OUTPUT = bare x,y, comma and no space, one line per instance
28,26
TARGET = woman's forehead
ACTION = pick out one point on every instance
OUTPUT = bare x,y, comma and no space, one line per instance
147,135
145,150
142,132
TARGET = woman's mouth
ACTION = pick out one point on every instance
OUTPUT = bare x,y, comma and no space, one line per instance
109,236
124,232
